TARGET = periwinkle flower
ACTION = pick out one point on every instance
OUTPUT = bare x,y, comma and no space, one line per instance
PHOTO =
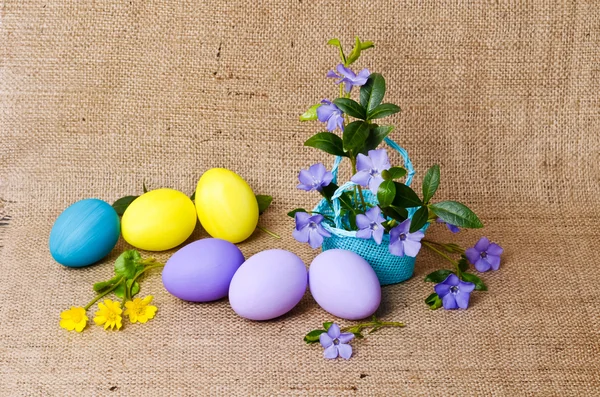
454,293
404,243
451,227
315,178
336,343
485,255
309,230
369,225
329,113
370,168
348,77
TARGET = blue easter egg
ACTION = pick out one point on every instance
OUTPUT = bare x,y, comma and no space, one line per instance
84,233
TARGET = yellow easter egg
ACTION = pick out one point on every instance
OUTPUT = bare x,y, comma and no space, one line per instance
226,205
159,220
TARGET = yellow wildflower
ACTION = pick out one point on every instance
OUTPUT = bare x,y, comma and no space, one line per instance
140,309
73,319
109,314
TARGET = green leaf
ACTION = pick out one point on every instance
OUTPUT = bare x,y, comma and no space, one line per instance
121,204
327,324
355,135
336,43
457,214
313,336
310,114
471,278
264,202
120,290
371,94
365,45
433,301
327,142
144,186
193,196
431,181
377,134
396,213
463,265
438,276
393,173
419,219
293,212
355,53
406,197
350,107
383,110
126,263
104,285
386,193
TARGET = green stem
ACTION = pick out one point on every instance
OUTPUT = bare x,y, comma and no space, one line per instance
128,290
451,247
443,255
362,199
99,296
270,233
374,324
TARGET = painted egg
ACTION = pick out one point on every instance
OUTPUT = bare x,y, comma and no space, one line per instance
344,284
84,233
226,205
159,220
202,271
268,285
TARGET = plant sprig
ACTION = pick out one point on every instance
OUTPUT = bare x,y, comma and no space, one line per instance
375,324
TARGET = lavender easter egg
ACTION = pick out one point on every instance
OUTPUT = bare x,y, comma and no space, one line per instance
344,284
84,233
268,285
202,271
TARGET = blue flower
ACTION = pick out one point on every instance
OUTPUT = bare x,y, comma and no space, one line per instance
348,77
451,227
454,293
329,113
485,255
315,178
404,243
336,343
309,230
370,168
369,225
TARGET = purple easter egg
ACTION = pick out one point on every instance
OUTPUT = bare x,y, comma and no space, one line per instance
344,284
268,285
201,271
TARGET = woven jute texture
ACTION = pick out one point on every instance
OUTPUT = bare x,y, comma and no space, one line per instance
98,96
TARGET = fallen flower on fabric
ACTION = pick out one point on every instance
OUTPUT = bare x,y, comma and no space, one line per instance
140,310
109,314
336,343
348,77
454,293
451,227
73,319
485,255
404,243
370,167
309,230
329,113
370,225
315,178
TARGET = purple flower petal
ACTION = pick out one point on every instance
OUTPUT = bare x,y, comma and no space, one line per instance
363,163
348,86
345,351
327,178
317,170
301,235
449,302
378,235
306,180
334,331
331,352
411,247
325,111
325,340
442,289
302,219
361,178
364,75
396,248
451,280
364,233
346,337
344,71
315,239
322,231
482,265
462,299
465,286
404,227
472,255
482,244
331,74
363,221
374,183
380,159
453,228
494,261
495,249
332,123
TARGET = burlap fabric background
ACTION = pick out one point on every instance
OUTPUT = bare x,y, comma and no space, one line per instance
97,96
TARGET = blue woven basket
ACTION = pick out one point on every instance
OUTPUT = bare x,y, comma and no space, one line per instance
390,269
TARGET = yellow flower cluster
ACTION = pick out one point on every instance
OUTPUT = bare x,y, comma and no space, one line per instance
109,314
